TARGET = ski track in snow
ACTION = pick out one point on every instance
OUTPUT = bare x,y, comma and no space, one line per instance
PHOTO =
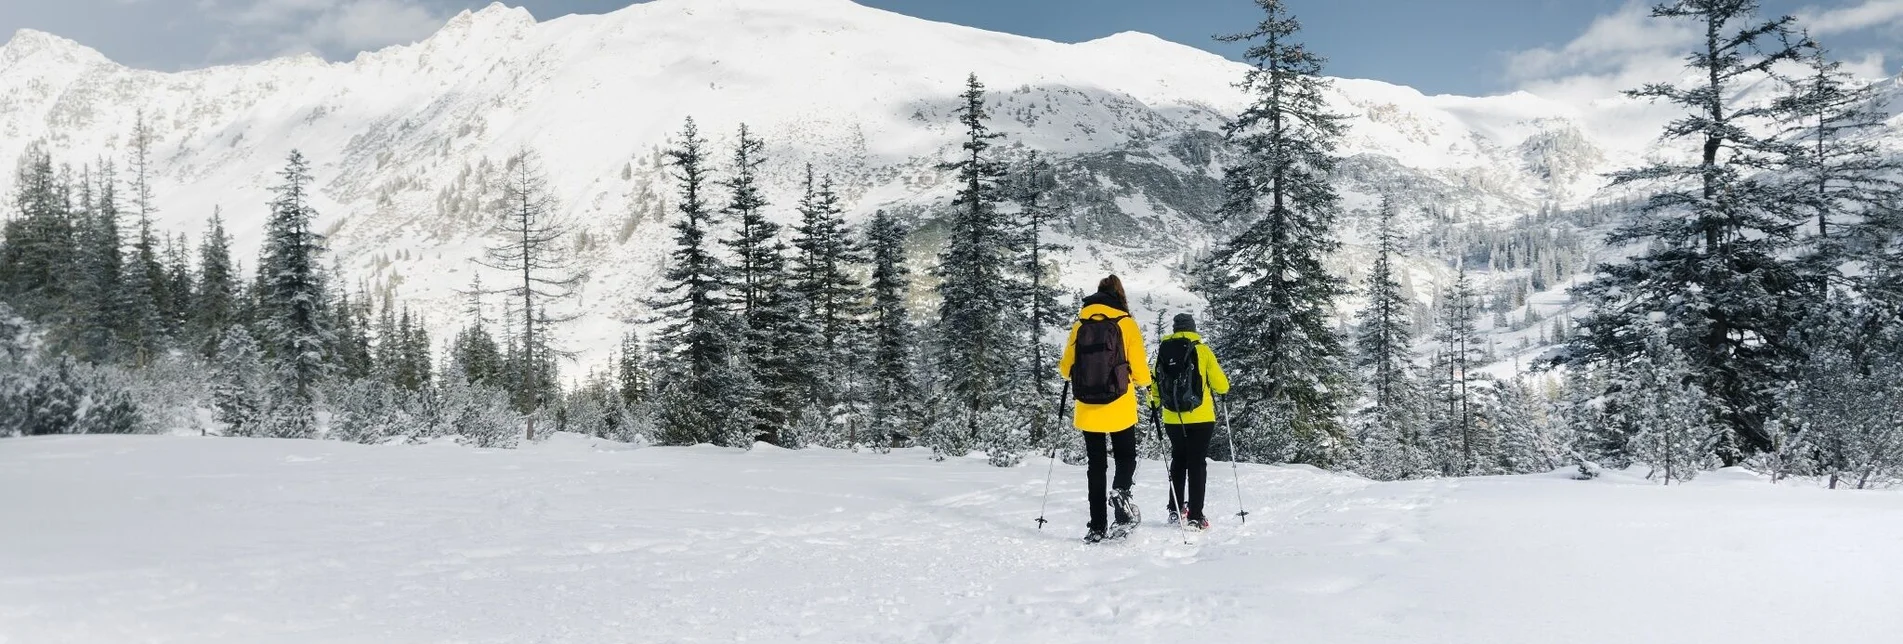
176,539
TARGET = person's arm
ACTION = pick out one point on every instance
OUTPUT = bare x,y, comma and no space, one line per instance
1218,382
1070,353
1133,351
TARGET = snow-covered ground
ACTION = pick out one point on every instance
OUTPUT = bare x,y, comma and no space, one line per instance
201,540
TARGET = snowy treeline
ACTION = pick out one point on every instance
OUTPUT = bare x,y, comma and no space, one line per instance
1757,322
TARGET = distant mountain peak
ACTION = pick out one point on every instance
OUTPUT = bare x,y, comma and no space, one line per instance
27,43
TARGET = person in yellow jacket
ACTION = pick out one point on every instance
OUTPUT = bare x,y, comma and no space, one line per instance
1190,430
1109,428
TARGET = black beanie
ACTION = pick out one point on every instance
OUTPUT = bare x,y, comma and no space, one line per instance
1184,322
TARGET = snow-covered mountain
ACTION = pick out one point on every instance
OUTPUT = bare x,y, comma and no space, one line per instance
405,139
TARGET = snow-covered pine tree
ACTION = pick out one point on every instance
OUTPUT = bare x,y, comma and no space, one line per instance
150,305
1587,413
1670,417
782,343
894,393
242,391
1716,231
355,361
976,335
697,347
480,414
295,327
633,380
532,249
145,293
1270,296
216,298
1042,301
1463,444
1390,426
1846,407
388,350
776,343
825,270
39,242
1530,440
99,288
1833,123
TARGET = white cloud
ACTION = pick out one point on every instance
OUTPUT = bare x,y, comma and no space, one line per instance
1870,14
331,28
1628,48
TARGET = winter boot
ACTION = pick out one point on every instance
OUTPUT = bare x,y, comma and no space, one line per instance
1199,523
1126,508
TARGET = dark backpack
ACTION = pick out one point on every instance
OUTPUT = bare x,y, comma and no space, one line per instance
1101,373
1179,375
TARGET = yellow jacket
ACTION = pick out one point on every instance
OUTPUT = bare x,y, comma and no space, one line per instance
1120,414
1213,381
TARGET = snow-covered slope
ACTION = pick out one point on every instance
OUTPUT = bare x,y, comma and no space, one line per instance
184,539
405,139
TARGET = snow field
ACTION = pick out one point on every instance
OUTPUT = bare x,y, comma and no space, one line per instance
180,539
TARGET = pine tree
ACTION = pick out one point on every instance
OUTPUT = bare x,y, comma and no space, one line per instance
147,285
1833,123
824,277
697,344
782,345
100,291
1717,232
894,393
1041,300
533,251
773,337
1530,442
1268,291
1670,416
1463,444
39,243
241,384
216,301
178,286
355,360
633,382
479,413
296,329
1392,445
1846,406
974,357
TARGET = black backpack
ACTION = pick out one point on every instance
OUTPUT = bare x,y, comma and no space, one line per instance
1101,373
1179,376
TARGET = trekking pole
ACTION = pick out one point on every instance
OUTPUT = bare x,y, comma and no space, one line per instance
1169,478
1048,469
1223,405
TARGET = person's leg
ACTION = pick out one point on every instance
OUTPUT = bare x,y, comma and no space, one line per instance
1196,455
1123,446
1098,462
1179,467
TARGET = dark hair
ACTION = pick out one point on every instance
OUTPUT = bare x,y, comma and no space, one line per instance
1114,287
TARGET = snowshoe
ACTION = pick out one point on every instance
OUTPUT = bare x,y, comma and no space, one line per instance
1198,523
1174,517
1113,533
1126,509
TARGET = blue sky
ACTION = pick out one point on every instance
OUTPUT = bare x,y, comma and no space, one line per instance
1437,46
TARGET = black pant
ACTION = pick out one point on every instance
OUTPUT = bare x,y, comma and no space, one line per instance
1124,444
1189,462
